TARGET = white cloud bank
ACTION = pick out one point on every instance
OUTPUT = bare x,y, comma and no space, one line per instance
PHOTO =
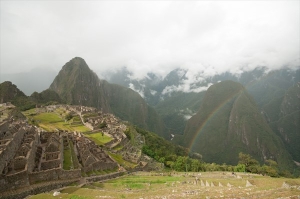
157,36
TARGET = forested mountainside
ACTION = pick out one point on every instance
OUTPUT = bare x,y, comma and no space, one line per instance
229,122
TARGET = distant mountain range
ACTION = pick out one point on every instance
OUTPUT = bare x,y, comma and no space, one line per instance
179,96
255,112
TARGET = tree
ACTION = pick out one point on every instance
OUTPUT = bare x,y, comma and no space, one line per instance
68,116
271,169
182,164
161,159
250,163
170,164
195,165
240,168
102,125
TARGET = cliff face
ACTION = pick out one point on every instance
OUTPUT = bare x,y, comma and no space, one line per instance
229,122
288,126
77,84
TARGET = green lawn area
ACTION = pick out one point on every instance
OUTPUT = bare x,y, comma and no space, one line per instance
68,163
52,121
98,138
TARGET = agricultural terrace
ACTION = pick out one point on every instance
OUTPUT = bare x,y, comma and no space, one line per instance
99,138
53,121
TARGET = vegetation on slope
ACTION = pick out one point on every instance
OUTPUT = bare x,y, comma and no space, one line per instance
45,97
10,93
229,122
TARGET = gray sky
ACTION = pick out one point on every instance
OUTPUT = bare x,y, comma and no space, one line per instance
210,36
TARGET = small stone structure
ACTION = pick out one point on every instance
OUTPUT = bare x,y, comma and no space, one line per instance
91,156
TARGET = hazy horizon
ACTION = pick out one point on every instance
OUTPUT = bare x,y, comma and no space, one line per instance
207,37
150,36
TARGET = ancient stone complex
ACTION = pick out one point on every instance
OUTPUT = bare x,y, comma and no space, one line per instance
29,155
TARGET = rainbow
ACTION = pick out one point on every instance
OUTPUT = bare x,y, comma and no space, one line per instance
219,107
209,117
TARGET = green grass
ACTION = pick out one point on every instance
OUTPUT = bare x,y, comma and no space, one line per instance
68,163
53,121
101,172
98,184
76,164
88,115
153,185
121,161
118,148
80,128
98,138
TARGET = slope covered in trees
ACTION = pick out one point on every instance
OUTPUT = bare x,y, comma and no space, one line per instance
229,122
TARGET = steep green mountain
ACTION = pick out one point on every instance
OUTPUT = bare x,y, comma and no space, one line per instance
277,94
77,84
229,122
10,93
286,123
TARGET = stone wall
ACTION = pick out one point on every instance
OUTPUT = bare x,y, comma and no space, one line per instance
100,166
105,165
36,189
69,174
53,174
104,177
48,175
10,150
3,128
51,164
14,181
31,154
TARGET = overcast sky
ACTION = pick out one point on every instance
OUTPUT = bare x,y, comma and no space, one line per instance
150,35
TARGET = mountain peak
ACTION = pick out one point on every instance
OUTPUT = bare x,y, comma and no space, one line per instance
77,60
76,63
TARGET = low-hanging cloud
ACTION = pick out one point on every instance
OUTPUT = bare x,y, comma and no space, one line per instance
208,37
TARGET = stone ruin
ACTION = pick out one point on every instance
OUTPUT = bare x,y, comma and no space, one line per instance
28,156
92,118
91,156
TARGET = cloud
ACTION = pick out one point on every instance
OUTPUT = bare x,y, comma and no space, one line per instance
208,37
186,113
141,92
184,87
153,92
